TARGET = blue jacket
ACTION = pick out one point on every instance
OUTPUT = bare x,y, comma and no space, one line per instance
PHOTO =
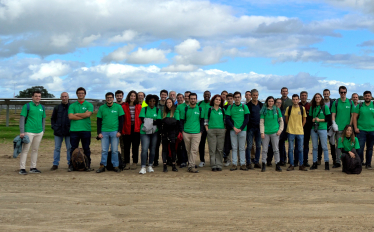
18,144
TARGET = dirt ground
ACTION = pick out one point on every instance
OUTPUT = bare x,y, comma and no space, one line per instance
208,201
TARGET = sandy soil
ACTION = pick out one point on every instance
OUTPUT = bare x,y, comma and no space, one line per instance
208,201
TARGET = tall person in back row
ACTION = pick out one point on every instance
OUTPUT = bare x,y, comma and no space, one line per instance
341,116
80,126
205,105
32,125
237,117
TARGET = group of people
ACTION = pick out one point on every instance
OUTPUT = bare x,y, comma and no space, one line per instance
183,126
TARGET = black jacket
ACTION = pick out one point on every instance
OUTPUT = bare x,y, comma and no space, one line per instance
60,120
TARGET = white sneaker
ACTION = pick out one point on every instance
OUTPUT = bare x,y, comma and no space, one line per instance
150,169
227,164
201,164
142,171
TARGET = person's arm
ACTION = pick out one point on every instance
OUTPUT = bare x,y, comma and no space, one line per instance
286,117
281,125
228,121
333,115
262,126
22,126
86,114
43,123
181,125
121,120
201,124
304,121
74,117
355,116
351,121
246,120
142,119
99,124
54,117
328,118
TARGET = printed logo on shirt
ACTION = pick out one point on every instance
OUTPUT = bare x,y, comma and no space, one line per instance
113,111
84,108
40,110
371,108
299,113
154,115
241,110
219,113
197,113
347,107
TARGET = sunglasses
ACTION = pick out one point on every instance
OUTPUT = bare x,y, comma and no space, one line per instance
343,92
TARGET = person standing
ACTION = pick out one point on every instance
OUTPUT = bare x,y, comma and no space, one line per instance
205,105
61,129
80,125
253,131
173,96
223,95
109,127
227,145
271,126
119,100
248,96
283,137
180,99
161,106
295,120
181,151
32,125
307,127
363,121
341,116
141,97
192,120
215,126
131,130
320,114
286,101
355,99
237,117
150,117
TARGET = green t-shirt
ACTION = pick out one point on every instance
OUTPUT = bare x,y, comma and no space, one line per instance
176,115
82,124
343,117
110,117
216,120
365,120
34,123
271,123
237,114
192,123
151,113
347,145
317,112
204,106
180,108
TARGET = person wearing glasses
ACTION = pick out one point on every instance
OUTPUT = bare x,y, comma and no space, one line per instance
341,116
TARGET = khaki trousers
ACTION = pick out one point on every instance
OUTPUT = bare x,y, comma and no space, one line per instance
35,139
192,142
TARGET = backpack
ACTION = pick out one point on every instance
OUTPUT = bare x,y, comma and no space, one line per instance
79,160
185,113
336,106
352,165
301,110
28,110
210,110
109,165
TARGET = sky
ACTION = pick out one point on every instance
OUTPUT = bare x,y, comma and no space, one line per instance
149,45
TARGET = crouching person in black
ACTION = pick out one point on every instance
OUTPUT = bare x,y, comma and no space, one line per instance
348,144
170,129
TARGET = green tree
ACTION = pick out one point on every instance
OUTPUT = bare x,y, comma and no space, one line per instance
27,93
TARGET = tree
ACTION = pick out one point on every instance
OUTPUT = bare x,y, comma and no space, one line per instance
27,93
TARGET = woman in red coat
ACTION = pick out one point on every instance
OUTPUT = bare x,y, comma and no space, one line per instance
131,129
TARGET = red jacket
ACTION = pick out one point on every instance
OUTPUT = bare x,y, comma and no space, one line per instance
127,123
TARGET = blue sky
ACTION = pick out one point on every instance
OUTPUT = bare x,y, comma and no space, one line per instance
186,45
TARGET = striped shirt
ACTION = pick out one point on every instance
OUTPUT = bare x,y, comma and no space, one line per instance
132,112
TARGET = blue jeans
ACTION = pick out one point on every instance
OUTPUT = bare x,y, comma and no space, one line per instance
368,137
56,152
148,141
109,138
291,140
253,132
322,134
235,139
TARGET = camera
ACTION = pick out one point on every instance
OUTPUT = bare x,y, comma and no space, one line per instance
315,126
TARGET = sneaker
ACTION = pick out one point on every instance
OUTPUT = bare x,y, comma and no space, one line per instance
142,171
290,168
227,164
183,165
133,166
277,167
218,169
54,167
150,169
35,171
70,169
127,166
233,168
101,169
337,165
249,166
307,164
368,167
193,170
257,165
22,172
282,163
314,166
243,167
302,168
201,164
116,169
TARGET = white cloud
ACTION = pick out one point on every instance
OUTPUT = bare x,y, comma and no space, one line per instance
140,56
126,36
51,69
89,39
179,68
60,40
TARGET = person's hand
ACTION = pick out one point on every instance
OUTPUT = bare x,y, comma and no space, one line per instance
314,120
237,131
317,119
279,133
118,134
22,135
351,154
206,128
262,135
100,136
357,131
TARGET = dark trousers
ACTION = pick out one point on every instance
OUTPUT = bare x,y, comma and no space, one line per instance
85,138
157,151
182,153
227,146
306,145
165,151
368,138
202,146
332,147
132,140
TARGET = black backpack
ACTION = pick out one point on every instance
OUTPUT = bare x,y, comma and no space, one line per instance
109,165
352,165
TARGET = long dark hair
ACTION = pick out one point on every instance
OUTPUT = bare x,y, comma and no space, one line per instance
167,110
214,98
314,103
128,97
352,140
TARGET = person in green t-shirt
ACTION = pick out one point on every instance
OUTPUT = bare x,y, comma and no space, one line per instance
32,125
237,118
215,126
192,120
169,130
181,151
271,126
150,117
341,116
109,126
80,126
205,105
363,121
321,115
348,145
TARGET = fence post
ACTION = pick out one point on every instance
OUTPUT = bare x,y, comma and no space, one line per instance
7,115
